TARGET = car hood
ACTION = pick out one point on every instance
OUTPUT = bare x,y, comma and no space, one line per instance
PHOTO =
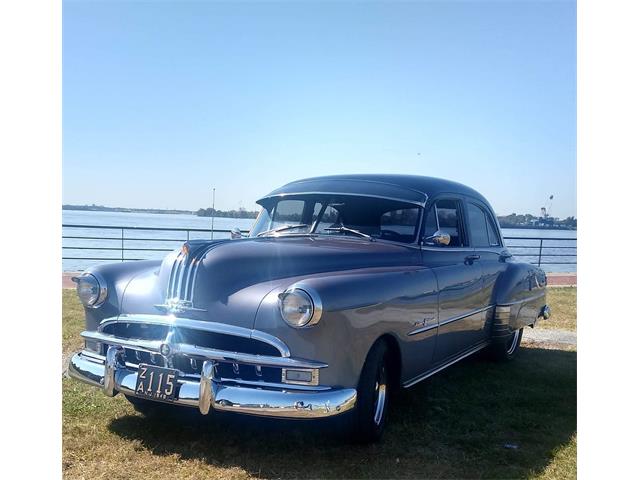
226,280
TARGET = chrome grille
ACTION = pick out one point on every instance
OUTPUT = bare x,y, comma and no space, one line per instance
238,354
200,338
229,371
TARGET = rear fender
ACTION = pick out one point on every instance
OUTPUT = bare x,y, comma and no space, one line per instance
520,296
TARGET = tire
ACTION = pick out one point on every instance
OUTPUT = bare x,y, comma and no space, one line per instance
506,351
372,402
146,407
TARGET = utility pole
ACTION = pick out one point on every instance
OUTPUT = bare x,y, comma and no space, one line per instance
213,210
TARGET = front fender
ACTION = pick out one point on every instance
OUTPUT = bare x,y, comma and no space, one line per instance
358,308
116,277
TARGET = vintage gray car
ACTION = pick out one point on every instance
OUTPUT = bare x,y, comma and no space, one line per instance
345,288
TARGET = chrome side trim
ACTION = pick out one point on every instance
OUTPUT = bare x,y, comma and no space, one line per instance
429,373
154,346
173,321
422,329
448,320
525,300
465,315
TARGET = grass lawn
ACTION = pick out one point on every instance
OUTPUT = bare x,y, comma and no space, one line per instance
477,419
564,315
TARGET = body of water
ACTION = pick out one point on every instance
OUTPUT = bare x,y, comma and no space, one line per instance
108,242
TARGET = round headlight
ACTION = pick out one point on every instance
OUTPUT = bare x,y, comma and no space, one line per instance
90,292
298,308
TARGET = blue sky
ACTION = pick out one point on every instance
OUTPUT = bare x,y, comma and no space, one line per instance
163,101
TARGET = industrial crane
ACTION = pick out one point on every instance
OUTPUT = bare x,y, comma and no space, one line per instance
545,212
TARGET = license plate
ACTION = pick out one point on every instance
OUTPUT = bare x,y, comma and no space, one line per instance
157,383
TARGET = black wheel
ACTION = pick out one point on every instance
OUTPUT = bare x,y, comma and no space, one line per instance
373,396
145,407
507,350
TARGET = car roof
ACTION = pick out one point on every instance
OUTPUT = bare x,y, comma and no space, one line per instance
415,189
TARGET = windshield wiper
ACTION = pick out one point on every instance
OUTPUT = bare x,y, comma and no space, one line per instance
282,229
344,229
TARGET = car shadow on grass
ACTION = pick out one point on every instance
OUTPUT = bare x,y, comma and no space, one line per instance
475,419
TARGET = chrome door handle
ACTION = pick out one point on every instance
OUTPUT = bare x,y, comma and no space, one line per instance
504,256
469,259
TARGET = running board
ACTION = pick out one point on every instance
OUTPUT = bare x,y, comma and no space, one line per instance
437,369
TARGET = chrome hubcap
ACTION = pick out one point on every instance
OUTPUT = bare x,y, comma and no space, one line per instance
380,395
514,342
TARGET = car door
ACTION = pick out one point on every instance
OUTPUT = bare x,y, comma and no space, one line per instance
461,303
487,243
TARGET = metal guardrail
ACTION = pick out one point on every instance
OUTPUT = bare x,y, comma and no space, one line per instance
533,248
187,234
536,245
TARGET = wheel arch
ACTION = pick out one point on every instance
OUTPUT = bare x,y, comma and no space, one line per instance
395,357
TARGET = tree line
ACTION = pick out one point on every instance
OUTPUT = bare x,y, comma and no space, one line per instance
240,213
515,220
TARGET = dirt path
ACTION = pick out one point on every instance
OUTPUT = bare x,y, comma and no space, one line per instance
540,335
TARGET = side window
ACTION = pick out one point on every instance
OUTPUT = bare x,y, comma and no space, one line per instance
478,226
399,225
449,218
494,238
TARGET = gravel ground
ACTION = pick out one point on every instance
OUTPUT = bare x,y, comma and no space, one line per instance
538,335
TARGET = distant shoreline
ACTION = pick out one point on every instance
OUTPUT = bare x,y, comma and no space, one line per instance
100,208
161,211
536,227
246,214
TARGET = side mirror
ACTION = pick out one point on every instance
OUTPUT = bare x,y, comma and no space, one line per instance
236,233
439,238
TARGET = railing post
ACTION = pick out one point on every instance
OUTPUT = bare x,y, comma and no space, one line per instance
188,231
122,244
540,253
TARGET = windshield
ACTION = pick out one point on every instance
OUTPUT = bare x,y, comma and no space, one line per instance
339,215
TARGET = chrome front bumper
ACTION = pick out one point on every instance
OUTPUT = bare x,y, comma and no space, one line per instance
109,374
